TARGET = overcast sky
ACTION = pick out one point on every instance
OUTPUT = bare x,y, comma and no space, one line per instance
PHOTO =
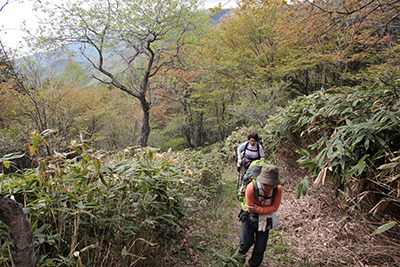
13,15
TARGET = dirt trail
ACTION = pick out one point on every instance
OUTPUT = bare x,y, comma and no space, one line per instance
315,230
318,230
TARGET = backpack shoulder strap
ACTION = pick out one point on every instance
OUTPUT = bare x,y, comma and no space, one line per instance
274,194
245,148
256,193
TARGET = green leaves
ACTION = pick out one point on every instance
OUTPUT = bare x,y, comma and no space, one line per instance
38,139
385,227
142,200
348,135
302,187
7,159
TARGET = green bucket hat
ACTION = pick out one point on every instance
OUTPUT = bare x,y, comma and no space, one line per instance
269,175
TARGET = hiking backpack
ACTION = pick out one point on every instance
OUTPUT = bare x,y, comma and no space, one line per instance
245,148
251,176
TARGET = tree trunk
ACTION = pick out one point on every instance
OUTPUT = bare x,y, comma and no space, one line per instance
13,216
144,134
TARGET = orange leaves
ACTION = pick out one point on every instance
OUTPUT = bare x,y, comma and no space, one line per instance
38,140
251,4
344,30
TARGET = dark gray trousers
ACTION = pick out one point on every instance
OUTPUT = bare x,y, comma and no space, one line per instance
250,235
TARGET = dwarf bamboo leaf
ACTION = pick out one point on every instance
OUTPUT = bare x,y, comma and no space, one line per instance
165,218
382,204
65,260
47,132
349,122
42,166
389,166
74,169
12,156
30,211
380,141
149,180
302,188
96,164
304,152
150,156
36,139
72,195
385,227
92,205
359,138
6,163
118,187
102,179
361,164
77,150
41,229
32,149
366,143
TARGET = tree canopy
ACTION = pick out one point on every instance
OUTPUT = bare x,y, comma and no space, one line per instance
146,35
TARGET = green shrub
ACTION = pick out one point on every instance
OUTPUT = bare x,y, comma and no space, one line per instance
127,209
348,135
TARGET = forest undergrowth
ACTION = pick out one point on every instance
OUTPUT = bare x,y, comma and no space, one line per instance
315,230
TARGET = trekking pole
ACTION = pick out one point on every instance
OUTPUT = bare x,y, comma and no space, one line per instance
242,171
241,174
238,183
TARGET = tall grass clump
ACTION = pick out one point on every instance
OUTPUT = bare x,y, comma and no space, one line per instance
350,136
90,208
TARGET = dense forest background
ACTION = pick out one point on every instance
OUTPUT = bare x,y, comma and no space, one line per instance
244,64
116,102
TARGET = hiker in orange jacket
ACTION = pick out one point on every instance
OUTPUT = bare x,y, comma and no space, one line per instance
260,216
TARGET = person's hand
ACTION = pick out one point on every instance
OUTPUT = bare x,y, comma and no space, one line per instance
252,208
239,161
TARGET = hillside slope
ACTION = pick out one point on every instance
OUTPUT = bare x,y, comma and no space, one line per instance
315,228
312,231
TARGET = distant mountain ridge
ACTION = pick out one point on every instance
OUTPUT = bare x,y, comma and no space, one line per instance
219,15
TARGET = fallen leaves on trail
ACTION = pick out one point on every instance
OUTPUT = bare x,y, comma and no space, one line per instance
322,232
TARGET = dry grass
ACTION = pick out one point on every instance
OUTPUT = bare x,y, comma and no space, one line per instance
311,231
314,226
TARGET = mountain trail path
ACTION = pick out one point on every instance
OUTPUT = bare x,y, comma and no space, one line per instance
319,229
316,229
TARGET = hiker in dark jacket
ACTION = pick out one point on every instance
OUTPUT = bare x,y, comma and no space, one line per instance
249,151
